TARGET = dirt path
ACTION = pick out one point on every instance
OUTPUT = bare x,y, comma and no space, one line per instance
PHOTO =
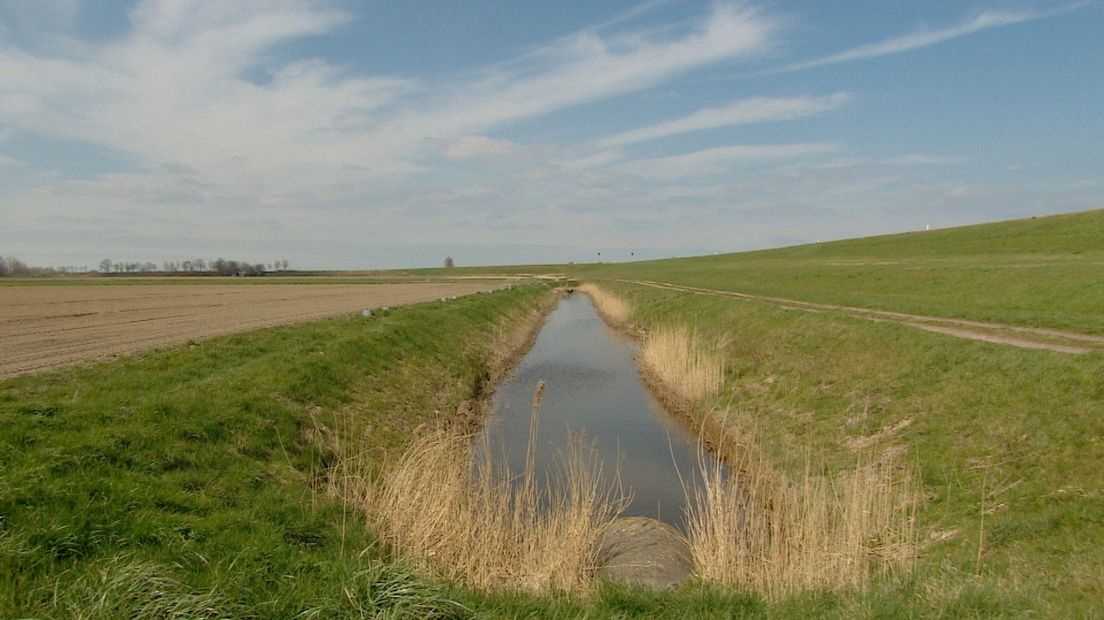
47,327
999,333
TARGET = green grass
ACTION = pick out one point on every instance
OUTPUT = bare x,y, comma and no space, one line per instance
1045,272
188,482
185,482
1024,429
1017,434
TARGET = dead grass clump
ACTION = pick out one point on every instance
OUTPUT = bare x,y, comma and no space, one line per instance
682,365
615,310
484,528
760,529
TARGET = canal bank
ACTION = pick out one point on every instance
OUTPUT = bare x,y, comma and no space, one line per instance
594,394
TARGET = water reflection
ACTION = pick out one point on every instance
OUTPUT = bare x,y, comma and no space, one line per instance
592,387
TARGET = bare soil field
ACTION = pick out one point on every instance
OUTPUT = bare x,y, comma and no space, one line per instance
46,327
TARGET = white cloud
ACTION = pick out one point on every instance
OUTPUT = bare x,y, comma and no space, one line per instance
172,91
743,112
474,147
594,160
230,142
982,21
589,67
238,150
915,159
719,159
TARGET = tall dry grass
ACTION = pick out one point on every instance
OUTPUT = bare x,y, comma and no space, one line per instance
755,527
751,526
488,528
615,310
685,368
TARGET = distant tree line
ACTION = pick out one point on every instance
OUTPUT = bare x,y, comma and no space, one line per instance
219,266
16,268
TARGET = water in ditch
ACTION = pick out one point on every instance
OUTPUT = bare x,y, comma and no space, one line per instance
592,388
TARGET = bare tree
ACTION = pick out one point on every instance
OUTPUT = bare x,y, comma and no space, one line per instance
12,266
449,264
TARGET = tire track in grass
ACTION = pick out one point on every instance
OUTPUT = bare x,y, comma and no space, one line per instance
998,333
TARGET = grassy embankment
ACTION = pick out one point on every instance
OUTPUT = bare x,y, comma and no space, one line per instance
208,480
764,529
1045,272
193,482
1008,442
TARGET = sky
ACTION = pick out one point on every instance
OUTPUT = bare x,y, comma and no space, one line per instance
381,134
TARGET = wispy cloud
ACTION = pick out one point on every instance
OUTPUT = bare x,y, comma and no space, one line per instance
589,66
173,90
225,138
986,20
229,126
743,112
717,160
476,147
916,159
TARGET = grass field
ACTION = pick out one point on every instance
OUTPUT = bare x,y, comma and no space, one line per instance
194,482
1045,272
187,481
1008,442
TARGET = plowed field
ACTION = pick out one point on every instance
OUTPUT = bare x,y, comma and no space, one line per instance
46,327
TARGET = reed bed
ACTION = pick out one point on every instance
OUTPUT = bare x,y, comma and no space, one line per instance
757,528
615,310
685,369
751,526
488,528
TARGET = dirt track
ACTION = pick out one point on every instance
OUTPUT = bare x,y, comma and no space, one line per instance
46,327
998,333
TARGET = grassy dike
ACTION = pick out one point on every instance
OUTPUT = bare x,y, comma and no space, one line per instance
1008,444
194,482
190,482
1042,272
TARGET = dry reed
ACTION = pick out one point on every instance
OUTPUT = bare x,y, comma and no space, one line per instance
757,528
489,529
615,310
751,526
682,366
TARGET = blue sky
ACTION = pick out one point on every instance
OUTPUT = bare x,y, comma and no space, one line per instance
388,134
